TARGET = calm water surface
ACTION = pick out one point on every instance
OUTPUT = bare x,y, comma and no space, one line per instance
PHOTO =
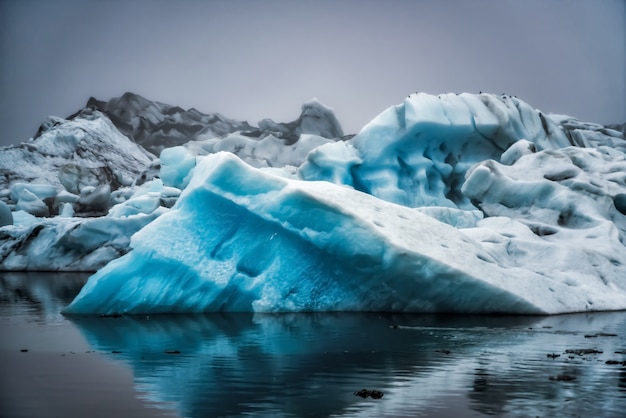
300,365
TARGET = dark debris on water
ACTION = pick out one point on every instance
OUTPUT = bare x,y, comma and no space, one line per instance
563,378
365,393
582,351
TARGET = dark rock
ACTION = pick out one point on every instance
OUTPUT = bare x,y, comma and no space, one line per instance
620,203
553,355
582,351
600,334
365,393
563,378
376,394
24,350
155,125
113,315
172,352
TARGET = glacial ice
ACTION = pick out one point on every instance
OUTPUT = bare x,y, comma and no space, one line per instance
246,240
6,217
176,166
455,203
417,153
65,243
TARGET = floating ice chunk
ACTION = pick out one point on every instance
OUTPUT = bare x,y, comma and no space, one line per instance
6,218
146,204
145,199
170,191
41,191
29,202
67,210
66,243
23,218
86,190
318,119
331,162
94,199
176,166
66,197
517,150
75,177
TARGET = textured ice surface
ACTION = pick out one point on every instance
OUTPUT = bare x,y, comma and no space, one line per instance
417,153
240,239
64,243
465,203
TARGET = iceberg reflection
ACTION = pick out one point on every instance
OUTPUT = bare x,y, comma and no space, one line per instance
311,364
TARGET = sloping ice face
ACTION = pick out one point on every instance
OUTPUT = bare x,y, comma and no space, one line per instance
240,239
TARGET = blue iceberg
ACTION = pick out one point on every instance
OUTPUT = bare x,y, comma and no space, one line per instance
457,203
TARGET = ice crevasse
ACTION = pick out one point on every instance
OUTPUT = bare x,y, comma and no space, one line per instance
468,203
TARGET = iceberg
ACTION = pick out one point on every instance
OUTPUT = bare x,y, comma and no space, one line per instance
243,239
66,243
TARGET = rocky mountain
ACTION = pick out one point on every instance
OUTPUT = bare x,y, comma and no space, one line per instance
156,126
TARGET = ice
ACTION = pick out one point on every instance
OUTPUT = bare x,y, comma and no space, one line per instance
246,240
76,155
67,211
417,153
318,119
176,166
95,199
66,243
268,151
29,202
457,203
332,162
40,191
6,218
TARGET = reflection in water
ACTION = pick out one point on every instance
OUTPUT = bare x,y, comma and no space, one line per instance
310,364
45,294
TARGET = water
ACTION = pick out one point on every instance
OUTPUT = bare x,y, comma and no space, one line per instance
299,365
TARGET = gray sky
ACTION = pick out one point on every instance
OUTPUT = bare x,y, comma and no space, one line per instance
252,59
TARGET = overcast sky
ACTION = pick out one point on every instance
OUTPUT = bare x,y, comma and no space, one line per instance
252,59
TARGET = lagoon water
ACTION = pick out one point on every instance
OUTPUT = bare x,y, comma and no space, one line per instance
300,365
